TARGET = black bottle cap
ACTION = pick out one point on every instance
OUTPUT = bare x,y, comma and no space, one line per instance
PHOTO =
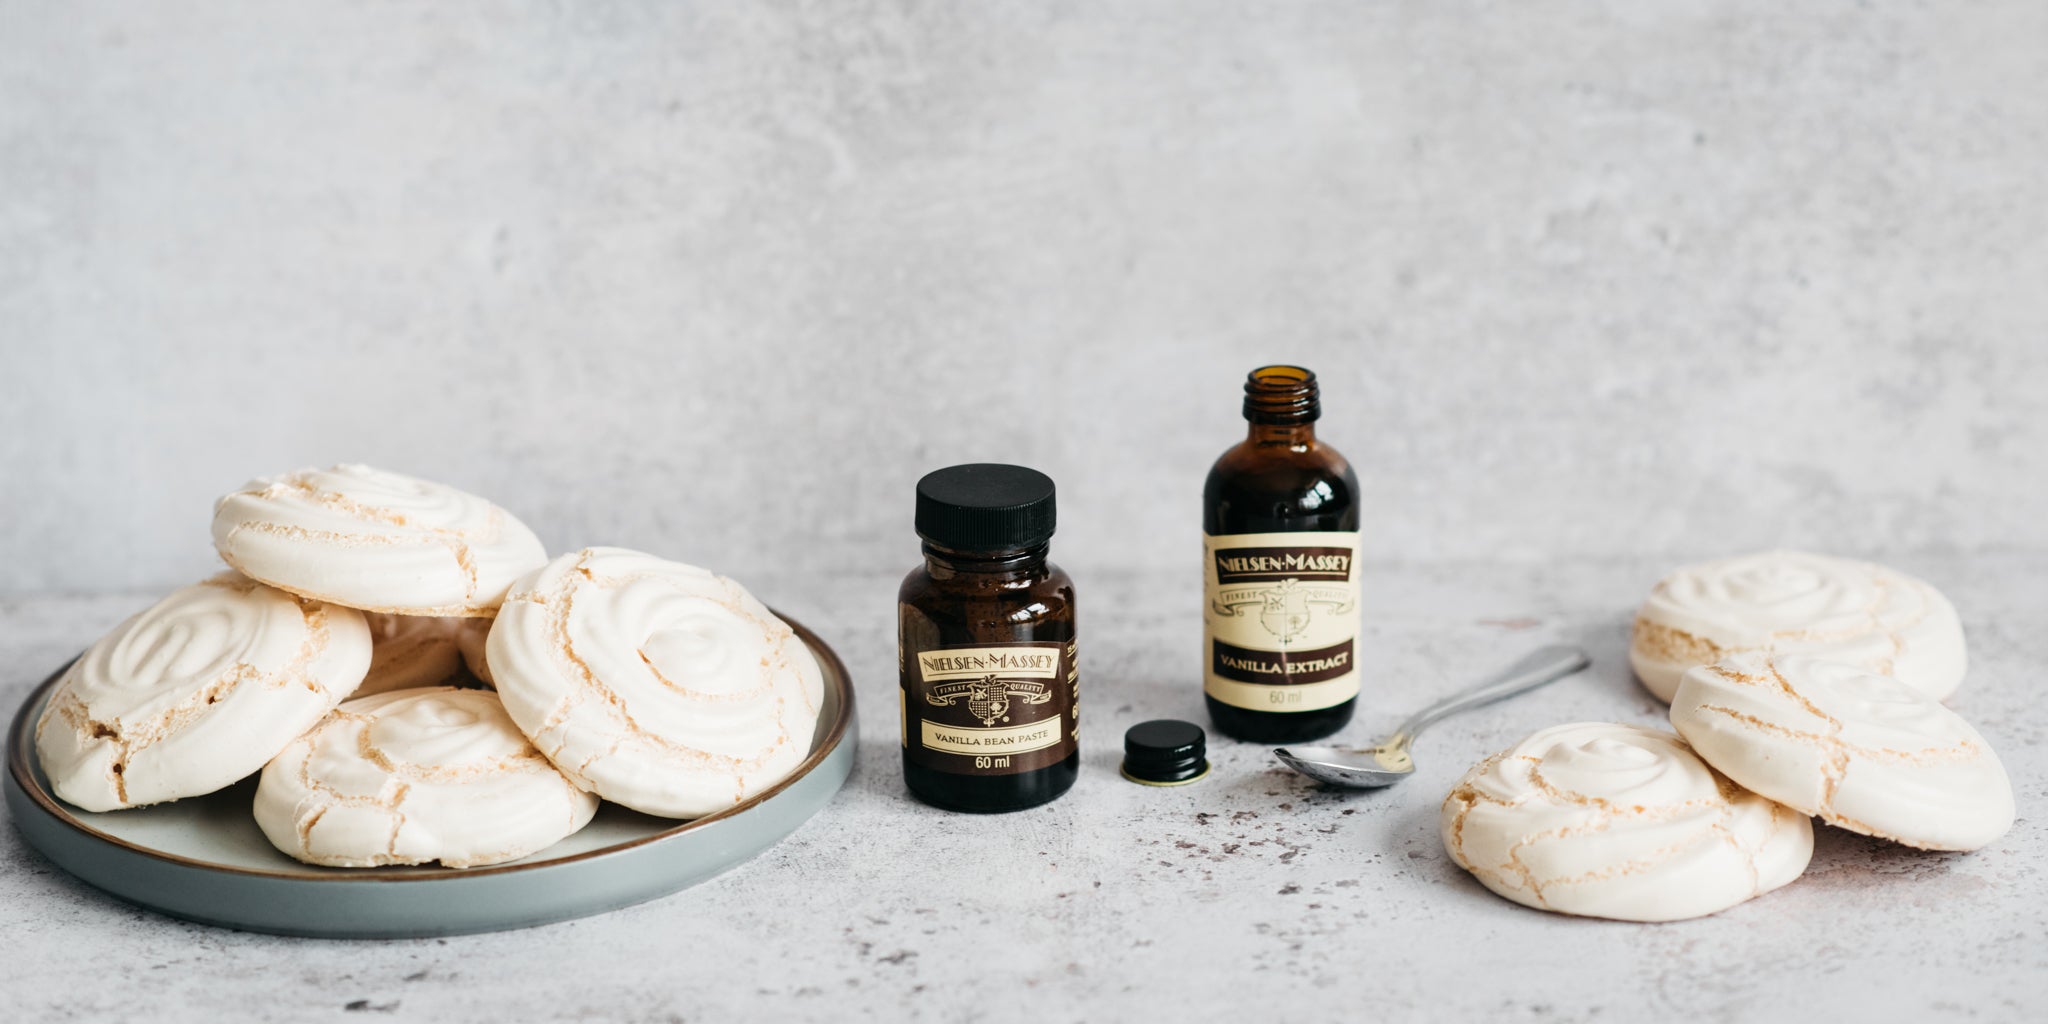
1165,752
985,506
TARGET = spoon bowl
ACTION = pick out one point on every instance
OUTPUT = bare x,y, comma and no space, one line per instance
1366,768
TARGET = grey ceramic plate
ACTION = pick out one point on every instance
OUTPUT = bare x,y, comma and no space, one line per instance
204,859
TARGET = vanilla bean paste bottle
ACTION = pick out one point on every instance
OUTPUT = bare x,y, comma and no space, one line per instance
1280,546
985,645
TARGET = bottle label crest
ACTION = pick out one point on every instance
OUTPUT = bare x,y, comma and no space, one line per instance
1280,619
991,709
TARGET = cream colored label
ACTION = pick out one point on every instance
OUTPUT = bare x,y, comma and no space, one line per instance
1306,697
1280,619
990,709
1015,739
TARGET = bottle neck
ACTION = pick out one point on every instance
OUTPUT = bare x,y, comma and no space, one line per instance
1286,399
1298,437
1018,564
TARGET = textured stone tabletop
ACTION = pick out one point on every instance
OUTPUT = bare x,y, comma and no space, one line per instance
1252,891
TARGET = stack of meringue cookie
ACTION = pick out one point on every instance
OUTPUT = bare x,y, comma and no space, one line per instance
418,683
1800,686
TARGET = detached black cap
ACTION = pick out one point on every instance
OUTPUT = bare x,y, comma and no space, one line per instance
985,506
1165,752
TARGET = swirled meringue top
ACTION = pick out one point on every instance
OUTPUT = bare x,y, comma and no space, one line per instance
375,540
1618,821
413,777
196,692
655,684
1860,749
1791,601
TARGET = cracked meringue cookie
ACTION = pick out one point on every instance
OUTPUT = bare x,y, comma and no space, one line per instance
416,777
1618,821
1798,603
196,692
411,651
1861,750
654,684
375,540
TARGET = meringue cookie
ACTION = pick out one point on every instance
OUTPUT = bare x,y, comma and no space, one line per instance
415,777
654,684
1793,602
1861,750
1621,822
379,541
196,692
411,651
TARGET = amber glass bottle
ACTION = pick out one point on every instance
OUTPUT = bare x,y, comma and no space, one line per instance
1280,546
985,645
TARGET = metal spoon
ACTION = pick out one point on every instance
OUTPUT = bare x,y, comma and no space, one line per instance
1388,763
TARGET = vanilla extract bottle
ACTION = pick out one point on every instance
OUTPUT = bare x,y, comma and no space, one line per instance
1280,544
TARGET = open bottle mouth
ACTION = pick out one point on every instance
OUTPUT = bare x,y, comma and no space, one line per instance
1282,394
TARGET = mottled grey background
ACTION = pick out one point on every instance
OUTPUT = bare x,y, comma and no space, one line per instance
1597,281
1592,287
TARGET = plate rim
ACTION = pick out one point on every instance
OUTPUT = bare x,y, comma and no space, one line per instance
21,745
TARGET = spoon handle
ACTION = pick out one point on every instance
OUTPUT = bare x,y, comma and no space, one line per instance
1544,665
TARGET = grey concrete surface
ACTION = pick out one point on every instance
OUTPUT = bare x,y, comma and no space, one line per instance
1248,896
720,280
